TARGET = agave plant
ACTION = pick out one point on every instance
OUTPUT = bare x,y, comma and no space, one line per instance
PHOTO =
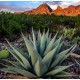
43,58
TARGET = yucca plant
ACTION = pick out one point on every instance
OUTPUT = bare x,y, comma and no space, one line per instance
43,57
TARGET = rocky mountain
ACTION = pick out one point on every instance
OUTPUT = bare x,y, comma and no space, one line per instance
45,9
58,11
42,9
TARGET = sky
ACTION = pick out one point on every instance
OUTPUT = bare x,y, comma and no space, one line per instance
20,6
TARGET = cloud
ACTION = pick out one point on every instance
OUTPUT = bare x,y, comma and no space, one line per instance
14,8
75,3
53,2
76,0
63,4
34,2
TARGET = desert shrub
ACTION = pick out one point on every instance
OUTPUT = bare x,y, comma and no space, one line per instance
4,54
12,24
69,33
77,40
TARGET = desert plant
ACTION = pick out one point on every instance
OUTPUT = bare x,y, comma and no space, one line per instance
43,58
12,24
77,39
69,33
4,54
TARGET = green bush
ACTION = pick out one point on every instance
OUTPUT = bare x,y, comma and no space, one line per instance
77,39
4,54
69,33
12,24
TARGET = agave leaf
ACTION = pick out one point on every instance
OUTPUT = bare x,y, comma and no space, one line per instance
19,71
22,53
16,57
60,67
49,56
40,68
32,52
16,64
18,53
58,50
64,72
50,45
65,76
47,38
60,45
7,71
34,40
48,41
47,33
64,58
67,55
42,45
30,39
57,42
4,65
75,45
39,41
12,62
58,70
60,56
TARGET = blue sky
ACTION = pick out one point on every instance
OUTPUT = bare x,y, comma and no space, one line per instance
19,6
22,3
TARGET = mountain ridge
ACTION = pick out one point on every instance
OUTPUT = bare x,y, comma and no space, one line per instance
45,9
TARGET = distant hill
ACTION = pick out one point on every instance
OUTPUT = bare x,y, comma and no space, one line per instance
45,9
42,9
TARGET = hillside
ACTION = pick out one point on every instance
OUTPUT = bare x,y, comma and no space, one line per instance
42,9
45,9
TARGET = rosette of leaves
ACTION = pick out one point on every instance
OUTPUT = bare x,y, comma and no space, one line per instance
43,58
